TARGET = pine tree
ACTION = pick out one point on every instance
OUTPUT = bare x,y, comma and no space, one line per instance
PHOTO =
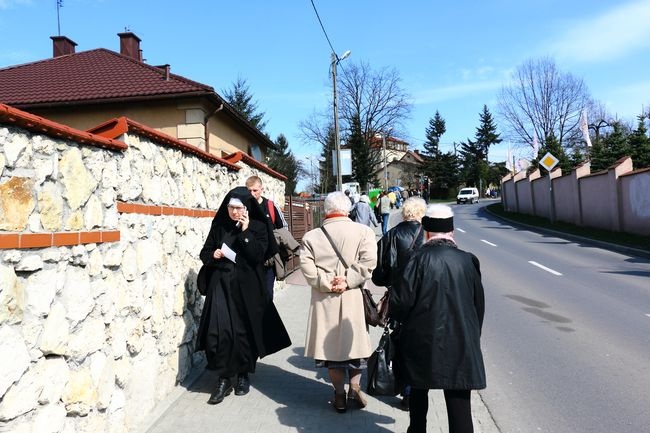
284,162
437,127
362,169
327,178
241,99
640,145
486,133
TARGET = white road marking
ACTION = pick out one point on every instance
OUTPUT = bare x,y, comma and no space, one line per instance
544,267
648,315
489,243
460,230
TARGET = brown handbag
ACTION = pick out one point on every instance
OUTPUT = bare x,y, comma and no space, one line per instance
370,310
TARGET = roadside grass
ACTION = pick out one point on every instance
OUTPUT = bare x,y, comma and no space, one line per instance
623,239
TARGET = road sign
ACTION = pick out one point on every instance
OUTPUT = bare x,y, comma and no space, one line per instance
548,161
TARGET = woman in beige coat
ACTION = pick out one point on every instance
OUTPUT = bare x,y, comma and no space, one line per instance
337,335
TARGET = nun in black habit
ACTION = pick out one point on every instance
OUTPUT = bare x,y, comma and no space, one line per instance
239,322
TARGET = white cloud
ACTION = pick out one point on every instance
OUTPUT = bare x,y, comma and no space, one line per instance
6,4
446,93
618,32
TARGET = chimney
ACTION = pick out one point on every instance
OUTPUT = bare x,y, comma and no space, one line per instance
62,46
130,46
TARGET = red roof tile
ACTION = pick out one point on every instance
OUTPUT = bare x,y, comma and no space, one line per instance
14,116
115,127
98,74
238,156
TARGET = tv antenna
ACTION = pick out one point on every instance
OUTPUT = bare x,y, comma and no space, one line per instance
59,5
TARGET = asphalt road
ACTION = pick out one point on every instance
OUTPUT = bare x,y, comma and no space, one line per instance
566,337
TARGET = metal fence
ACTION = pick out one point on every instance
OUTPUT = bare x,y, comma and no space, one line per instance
301,215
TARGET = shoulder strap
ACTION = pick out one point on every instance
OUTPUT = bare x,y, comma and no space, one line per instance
415,239
336,250
271,210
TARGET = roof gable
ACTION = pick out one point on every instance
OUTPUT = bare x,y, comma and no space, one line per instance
89,76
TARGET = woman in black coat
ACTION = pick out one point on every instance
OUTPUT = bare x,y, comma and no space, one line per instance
441,307
239,323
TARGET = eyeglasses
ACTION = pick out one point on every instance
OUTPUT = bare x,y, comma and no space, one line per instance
236,208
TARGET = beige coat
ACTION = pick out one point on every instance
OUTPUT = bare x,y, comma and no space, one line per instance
336,328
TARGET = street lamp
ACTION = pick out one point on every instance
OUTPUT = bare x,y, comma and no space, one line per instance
314,180
337,144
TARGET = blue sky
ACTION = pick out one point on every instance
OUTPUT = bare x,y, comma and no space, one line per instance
451,56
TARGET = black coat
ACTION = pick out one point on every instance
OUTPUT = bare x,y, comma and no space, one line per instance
441,306
394,250
241,286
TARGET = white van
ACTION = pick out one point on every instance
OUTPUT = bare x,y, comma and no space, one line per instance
467,195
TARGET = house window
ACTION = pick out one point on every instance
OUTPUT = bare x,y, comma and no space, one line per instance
256,152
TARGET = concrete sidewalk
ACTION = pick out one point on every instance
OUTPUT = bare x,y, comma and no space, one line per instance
288,394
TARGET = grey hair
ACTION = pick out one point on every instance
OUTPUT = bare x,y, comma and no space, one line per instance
413,209
336,202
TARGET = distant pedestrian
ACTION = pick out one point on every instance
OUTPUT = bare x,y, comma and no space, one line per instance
336,260
365,215
384,210
441,306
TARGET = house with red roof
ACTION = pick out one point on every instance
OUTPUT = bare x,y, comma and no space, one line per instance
403,166
85,89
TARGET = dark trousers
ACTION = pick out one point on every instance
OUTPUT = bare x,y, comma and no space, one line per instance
459,410
270,280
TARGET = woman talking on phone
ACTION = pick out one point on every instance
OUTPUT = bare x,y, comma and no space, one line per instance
239,324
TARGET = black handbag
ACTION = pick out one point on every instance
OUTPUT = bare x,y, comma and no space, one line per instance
381,377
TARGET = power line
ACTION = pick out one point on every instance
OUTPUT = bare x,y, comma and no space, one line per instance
323,27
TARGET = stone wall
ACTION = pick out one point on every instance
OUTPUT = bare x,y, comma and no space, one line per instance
98,261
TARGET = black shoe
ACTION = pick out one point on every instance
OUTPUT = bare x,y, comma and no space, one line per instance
243,384
223,389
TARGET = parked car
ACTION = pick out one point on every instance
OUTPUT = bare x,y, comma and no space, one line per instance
467,195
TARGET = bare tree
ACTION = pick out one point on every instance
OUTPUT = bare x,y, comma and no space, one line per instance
544,101
369,101
376,98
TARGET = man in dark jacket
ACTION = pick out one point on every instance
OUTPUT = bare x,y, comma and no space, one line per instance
393,252
441,306
274,216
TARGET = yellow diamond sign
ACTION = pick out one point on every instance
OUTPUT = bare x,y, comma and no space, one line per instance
548,161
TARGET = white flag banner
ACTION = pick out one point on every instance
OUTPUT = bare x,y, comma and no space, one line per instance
509,161
535,144
584,127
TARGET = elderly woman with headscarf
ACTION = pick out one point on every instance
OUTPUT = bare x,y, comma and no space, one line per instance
239,323
336,260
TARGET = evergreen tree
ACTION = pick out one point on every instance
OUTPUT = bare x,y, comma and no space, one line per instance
284,162
327,178
437,127
241,99
610,148
362,167
474,167
486,133
640,145
436,167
